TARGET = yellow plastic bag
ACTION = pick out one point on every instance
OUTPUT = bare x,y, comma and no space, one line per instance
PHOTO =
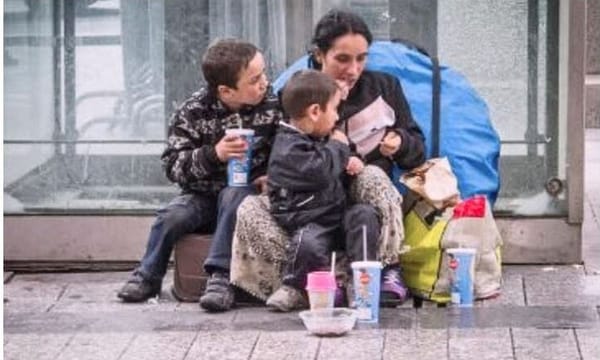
428,233
421,264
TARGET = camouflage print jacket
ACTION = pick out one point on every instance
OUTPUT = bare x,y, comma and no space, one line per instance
190,159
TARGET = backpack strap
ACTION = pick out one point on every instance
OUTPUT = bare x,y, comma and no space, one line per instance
435,107
435,95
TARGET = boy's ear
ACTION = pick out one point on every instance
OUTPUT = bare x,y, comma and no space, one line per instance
224,91
313,111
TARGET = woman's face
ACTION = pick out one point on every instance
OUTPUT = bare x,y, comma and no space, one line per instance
346,59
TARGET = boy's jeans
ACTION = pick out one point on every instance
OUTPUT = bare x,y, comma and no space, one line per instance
192,213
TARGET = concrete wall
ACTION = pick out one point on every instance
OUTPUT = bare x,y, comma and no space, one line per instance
593,65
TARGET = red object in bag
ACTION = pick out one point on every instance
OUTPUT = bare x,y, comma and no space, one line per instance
471,207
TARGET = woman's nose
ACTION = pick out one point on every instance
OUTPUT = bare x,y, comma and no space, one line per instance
354,68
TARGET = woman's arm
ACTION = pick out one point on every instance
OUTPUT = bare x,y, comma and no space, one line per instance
411,152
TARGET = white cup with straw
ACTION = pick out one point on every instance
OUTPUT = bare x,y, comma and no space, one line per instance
366,278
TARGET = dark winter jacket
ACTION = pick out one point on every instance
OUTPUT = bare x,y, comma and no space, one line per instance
375,106
305,179
190,159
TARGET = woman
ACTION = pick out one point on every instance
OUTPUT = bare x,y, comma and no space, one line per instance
376,118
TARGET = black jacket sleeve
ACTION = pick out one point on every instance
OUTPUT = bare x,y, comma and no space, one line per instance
307,165
412,148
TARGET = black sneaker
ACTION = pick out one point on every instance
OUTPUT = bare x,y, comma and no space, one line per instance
137,289
219,295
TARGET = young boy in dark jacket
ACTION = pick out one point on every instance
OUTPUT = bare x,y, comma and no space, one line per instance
237,95
306,185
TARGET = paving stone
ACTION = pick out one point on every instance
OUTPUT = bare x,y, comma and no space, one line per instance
260,318
511,292
28,294
223,345
103,346
527,270
480,344
356,345
285,345
396,318
103,297
591,242
545,344
556,288
170,345
589,343
123,321
549,317
416,343
34,346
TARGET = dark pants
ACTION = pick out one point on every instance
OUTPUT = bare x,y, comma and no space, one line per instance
193,213
311,246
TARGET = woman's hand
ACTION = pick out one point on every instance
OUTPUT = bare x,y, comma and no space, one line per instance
344,88
355,166
261,184
390,144
339,136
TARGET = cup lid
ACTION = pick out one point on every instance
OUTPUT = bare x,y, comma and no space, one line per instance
462,250
320,280
238,131
366,264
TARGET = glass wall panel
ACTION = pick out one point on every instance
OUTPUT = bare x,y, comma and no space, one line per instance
514,66
84,114
29,88
89,86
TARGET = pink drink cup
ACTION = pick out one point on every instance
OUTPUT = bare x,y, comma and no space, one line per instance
321,289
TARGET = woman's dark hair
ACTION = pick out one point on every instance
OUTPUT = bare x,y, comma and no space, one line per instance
334,24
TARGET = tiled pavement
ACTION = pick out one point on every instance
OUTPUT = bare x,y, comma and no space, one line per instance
544,312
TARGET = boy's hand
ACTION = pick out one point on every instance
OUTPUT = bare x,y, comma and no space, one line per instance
231,146
339,136
355,166
261,184
390,143
344,89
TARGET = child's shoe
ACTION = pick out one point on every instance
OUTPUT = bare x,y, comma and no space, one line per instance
393,290
287,299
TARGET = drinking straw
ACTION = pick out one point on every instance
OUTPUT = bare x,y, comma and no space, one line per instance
364,228
333,262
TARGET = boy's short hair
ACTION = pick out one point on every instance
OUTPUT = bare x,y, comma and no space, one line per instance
304,88
224,60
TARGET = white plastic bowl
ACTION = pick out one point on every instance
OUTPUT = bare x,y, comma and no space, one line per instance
329,321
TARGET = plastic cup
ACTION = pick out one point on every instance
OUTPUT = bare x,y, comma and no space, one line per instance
461,269
238,170
366,278
321,287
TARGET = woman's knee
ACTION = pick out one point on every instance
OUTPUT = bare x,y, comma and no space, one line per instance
361,214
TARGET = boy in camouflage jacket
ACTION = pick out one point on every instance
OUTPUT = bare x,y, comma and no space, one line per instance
237,95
